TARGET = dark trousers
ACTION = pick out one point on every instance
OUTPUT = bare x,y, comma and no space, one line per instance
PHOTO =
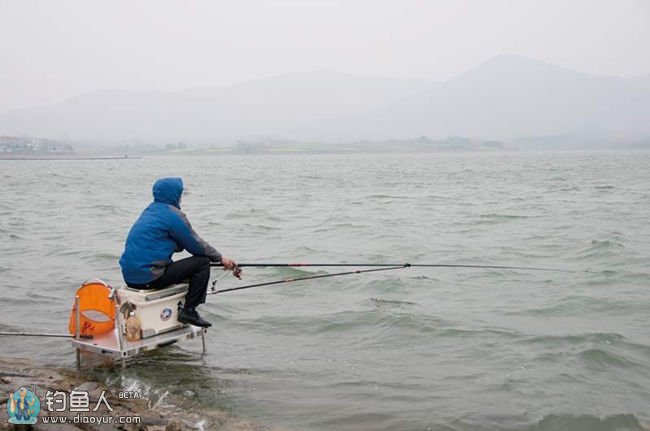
195,268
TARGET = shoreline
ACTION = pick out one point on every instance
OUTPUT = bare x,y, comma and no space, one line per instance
73,158
21,372
153,415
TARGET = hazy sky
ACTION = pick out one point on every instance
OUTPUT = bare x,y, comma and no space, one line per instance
52,50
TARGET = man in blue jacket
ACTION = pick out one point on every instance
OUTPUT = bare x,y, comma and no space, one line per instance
161,230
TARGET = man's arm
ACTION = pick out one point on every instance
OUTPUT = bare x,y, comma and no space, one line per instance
187,238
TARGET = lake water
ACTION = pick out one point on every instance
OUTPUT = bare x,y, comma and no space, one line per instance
412,349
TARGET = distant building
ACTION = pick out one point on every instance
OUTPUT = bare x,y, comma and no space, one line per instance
24,145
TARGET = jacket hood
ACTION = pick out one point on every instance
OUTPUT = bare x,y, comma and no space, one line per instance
168,191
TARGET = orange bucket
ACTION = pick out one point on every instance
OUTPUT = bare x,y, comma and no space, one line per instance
96,310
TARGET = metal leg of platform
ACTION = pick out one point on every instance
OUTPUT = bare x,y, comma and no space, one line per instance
120,334
77,330
203,341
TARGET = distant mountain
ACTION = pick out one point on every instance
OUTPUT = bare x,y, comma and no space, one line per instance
504,98
508,97
275,106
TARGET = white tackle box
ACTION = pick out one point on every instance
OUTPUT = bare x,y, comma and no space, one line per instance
156,309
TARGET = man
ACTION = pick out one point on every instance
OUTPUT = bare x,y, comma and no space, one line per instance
161,230
22,408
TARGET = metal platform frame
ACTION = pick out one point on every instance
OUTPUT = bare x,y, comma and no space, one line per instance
115,345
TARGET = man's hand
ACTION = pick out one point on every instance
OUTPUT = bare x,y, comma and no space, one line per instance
228,264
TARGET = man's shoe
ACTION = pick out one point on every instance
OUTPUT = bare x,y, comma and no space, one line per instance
192,317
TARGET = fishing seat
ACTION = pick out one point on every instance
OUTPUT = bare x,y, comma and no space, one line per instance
157,309
153,294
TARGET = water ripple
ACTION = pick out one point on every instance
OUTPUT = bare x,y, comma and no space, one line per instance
481,349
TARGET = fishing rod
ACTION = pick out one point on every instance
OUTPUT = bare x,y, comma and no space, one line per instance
32,334
400,265
311,277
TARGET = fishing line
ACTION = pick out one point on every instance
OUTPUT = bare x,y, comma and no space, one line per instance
401,265
311,277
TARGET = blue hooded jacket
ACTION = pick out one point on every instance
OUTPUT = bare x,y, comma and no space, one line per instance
161,230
